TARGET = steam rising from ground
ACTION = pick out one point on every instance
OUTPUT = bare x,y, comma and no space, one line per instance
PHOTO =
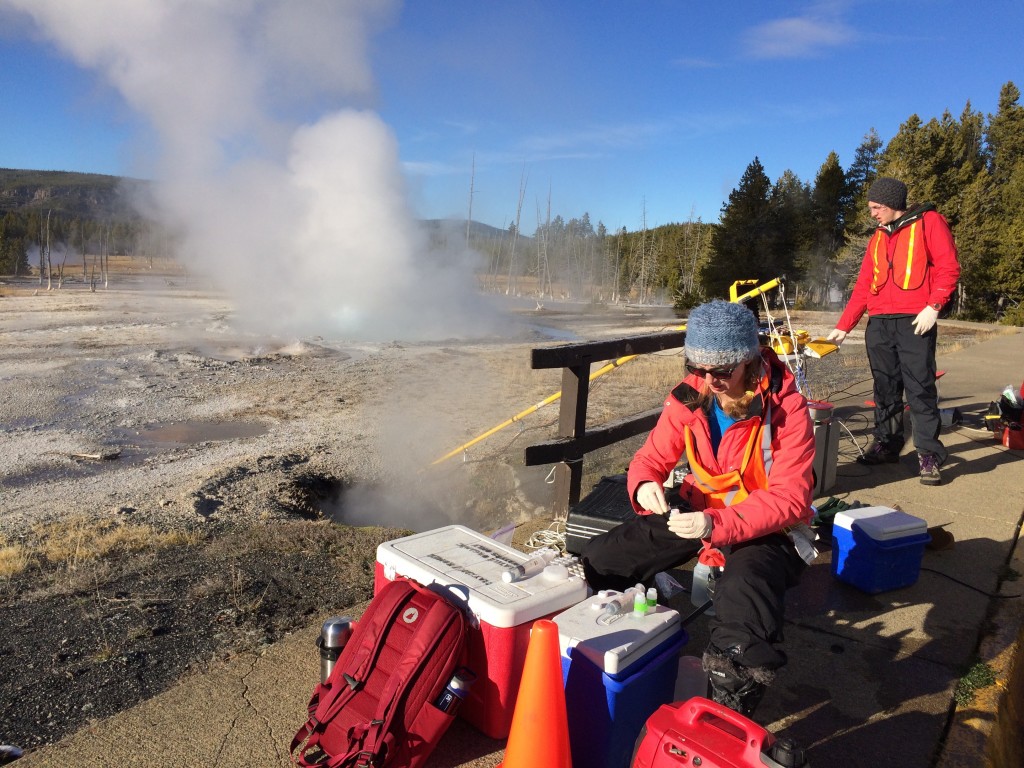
281,182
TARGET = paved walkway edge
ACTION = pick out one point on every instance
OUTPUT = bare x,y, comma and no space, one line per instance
991,727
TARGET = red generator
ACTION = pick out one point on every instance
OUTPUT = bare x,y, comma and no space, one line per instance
699,732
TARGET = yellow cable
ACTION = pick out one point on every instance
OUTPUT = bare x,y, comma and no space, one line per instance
600,372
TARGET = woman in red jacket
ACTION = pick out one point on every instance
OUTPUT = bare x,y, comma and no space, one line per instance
744,431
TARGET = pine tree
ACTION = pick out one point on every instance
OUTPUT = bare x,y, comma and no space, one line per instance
793,229
1005,135
741,246
1006,147
863,169
828,203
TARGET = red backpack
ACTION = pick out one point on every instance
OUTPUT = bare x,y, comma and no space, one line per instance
377,706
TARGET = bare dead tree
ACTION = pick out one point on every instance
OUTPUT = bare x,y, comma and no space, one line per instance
96,261
643,257
81,235
105,257
543,266
49,266
618,266
495,261
469,214
510,285
60,267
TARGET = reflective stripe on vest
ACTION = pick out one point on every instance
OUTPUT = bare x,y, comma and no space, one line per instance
905,260
730,488
910,256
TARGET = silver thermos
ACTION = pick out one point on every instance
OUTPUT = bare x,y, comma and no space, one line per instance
333,636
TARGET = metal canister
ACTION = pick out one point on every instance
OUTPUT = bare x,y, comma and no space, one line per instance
333,637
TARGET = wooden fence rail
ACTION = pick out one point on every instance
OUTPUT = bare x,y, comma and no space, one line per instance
574,441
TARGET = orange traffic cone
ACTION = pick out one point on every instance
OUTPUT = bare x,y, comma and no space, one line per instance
540,727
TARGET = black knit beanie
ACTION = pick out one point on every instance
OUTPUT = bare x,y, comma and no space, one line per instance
889,192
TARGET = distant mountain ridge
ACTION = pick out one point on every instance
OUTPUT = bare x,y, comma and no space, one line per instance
100,197
477,230
77,195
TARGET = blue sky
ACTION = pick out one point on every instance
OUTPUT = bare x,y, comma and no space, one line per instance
614,108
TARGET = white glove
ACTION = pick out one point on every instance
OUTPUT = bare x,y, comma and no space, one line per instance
925,320
690,525
837,336
651,496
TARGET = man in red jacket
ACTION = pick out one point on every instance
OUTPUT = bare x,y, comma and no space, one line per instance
910,268
743,430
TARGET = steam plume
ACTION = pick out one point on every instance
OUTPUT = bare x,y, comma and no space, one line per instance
283,183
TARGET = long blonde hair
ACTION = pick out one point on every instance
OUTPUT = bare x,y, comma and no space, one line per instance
736,409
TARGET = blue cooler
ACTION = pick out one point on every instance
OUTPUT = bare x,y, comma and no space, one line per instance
877,548
618,668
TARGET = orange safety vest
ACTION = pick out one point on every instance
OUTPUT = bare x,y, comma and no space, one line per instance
721,491
909,261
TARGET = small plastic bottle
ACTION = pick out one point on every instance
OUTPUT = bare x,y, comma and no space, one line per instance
639,604
1010,394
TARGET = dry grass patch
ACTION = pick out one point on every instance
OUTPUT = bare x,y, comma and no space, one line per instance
636,385
659,371
78,540
14,558
958,342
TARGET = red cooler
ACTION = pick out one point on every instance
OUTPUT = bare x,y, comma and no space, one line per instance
472,566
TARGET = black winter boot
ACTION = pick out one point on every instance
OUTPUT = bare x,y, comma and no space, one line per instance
732,685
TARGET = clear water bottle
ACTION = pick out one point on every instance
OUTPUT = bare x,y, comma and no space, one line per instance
333,636
703,588
691,679
710,564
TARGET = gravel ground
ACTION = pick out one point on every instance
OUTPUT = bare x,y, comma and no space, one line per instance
260,475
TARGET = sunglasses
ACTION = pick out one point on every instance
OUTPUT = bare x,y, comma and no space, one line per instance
716,373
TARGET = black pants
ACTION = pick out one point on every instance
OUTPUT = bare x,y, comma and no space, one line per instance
904,363
749,595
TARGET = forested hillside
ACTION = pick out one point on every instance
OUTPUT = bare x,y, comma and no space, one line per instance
47,214
812,232
82,195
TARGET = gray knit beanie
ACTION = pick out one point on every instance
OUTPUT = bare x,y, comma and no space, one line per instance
890,192
721,333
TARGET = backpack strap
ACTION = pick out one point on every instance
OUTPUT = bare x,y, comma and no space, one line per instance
329,698
420,650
